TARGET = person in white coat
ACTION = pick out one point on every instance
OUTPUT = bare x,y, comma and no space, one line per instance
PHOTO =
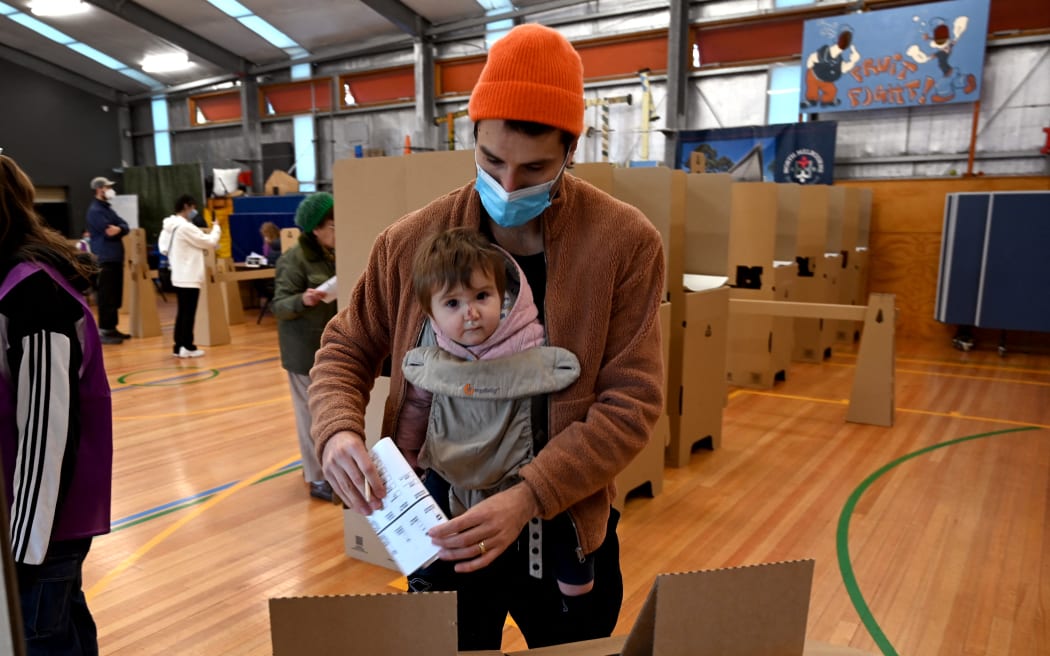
186,245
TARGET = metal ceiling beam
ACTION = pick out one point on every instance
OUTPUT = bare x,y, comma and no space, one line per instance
466,23
678,46
60,74
174,33
401,16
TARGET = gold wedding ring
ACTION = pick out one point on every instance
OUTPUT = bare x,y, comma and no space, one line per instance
481,547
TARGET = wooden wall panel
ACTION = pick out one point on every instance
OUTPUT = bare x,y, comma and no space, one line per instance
906,220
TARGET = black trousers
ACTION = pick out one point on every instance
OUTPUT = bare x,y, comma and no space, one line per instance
543,614
110,293
55,614
185,315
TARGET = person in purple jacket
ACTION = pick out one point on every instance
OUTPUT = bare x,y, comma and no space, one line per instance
56,425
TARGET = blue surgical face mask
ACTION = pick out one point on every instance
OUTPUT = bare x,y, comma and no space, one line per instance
192,215
514,208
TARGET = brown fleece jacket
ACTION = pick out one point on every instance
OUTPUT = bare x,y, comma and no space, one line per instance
605,274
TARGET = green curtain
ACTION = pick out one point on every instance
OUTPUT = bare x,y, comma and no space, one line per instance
157,188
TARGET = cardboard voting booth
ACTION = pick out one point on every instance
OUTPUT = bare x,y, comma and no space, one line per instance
140,291
817,275
856,226
757,609
648,466
409,183
759,347
659,193
211,326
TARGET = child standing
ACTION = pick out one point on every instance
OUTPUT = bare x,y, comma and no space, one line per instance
467,418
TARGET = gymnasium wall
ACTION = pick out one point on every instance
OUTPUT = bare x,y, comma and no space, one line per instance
906,220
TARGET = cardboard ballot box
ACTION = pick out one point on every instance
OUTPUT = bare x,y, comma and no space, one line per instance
758,609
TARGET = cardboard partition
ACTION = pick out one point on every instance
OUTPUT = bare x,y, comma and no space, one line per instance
702,393
759,346
813,205
361,541
788,199
231,292
757,609
833,267
647,468
289,238
599,174
140,292
836,219
210,327
784,275
856,227
708,204
872,396
808,344
659,192
408,183
373,625
752,235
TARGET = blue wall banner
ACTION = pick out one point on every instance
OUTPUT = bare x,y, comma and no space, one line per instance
803,153
927,54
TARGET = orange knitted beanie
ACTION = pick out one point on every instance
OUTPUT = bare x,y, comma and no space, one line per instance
532,74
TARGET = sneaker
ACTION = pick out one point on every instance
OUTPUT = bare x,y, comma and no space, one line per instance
110,339
321,490
186,353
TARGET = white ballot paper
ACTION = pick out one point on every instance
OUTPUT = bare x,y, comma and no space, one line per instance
408,511
696,282
328,289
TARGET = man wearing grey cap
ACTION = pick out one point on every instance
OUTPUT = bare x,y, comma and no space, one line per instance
107,230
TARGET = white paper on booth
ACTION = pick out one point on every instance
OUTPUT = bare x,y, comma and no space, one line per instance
696,282
408,511
328,289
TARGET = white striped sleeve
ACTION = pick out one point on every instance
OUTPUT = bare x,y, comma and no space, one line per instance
42,413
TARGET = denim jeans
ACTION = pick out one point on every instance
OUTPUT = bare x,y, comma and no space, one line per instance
55,615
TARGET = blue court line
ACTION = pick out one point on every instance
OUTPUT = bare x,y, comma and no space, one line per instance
187,500
192,373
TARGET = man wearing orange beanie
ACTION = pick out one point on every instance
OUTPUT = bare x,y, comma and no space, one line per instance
595,267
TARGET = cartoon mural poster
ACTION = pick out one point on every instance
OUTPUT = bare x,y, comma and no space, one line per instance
918,55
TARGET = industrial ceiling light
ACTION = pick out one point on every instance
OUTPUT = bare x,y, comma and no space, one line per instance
166,63
57,7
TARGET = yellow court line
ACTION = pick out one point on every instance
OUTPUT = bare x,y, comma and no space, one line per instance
186,519
207,411
961,365
950,415
1018,381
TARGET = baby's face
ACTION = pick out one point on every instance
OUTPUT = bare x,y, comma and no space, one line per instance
468,315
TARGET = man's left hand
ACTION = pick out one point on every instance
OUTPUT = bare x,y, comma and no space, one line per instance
480,535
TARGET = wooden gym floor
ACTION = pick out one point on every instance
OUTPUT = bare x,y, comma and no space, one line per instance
945,542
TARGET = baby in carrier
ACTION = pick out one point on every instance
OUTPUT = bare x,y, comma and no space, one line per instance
467,415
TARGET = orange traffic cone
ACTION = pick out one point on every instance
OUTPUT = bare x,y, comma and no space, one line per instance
408,144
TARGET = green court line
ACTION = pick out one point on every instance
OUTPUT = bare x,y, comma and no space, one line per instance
168,511
849,578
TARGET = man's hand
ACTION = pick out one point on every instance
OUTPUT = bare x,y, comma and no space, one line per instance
496,522
112,230
347,467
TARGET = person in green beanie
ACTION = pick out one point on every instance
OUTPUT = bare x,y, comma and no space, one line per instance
302,311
